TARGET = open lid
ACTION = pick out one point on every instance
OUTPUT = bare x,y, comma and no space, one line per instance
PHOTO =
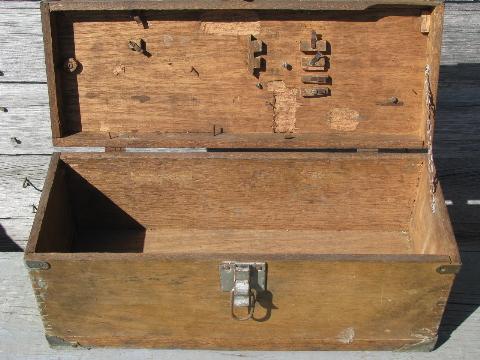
234,74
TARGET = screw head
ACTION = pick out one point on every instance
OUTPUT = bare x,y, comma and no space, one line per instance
259,85
70,65
227,267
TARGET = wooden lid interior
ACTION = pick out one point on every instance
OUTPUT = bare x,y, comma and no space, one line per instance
241,78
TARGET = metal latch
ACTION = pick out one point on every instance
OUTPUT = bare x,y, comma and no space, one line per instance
244,281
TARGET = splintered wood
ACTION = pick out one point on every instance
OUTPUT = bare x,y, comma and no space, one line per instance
230,23
284,106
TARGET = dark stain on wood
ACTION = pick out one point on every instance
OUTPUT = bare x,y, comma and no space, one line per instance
141,98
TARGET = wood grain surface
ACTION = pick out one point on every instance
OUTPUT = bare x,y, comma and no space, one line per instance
351,305
188,93
246,191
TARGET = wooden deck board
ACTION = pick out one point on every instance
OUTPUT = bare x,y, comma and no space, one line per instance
25,147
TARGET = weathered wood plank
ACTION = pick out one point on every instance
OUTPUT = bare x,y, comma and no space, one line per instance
461,43
26,122
18,197
21,44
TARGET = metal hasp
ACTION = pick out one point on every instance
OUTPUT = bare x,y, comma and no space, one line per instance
243,281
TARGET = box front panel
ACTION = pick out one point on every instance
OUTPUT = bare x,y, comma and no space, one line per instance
179,304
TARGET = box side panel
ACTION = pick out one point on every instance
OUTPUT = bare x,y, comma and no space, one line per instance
432,26
51,58
53,228
214,191
178,304
430,227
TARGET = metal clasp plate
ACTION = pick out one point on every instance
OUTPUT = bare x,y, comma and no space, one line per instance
244,281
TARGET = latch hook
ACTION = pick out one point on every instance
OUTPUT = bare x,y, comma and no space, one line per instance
251,306
243,280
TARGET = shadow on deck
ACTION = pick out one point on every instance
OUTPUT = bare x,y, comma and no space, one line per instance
457,150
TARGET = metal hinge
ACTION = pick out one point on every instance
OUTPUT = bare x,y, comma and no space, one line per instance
243,281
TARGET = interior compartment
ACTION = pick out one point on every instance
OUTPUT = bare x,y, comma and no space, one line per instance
193,86
243,203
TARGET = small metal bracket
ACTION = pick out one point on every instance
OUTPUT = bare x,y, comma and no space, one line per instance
255,50
243,281
57,342
70,65
320,80
315,92
449,269
37,265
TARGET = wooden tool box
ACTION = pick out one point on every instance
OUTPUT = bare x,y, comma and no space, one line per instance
315,217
